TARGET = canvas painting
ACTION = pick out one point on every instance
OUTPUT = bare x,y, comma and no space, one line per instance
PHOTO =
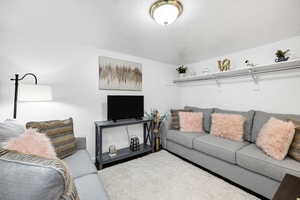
115,74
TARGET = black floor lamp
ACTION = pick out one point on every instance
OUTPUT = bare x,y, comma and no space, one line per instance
33,92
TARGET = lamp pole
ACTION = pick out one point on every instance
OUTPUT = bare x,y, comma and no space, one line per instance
16,94
17,79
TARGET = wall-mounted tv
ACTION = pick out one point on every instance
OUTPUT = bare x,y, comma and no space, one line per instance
125,107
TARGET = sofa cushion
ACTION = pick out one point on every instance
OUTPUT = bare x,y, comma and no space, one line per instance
60,132
218,147
253,159
248,123
175,125
34,143
229,126
261,118
294,150
183,138
191,121
80,164
90,187
275,138
206,116
81,143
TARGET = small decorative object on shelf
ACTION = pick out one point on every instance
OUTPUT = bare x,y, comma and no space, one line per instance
249,63
181,69
205,71
192,73
112,150
224,65
157,119
281,55
134,143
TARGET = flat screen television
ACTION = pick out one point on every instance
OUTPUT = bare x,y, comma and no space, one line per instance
125,107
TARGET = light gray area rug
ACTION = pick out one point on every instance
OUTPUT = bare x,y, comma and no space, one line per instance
163,176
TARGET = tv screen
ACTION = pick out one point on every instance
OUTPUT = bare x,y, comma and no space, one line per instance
125,107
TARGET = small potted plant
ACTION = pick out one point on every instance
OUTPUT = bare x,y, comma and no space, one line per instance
181,69
281,55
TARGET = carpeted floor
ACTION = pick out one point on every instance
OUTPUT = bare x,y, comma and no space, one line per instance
163,176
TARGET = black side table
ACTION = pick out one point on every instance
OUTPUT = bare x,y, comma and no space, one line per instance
104,158
289,188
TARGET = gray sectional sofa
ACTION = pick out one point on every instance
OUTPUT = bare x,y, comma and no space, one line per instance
84,172
28,178
241,162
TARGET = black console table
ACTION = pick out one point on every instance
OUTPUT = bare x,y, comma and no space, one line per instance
104,158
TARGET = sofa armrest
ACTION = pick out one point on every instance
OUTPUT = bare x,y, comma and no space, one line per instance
19,172
81,143
164,131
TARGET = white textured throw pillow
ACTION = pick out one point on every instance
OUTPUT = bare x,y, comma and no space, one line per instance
10,129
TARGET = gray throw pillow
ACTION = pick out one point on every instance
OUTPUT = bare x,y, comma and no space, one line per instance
10,129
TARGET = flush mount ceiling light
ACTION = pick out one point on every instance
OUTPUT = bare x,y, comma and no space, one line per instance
165,12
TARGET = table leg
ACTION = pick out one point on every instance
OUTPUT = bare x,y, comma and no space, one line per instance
145,133
96,147
152,139
149,134
99,148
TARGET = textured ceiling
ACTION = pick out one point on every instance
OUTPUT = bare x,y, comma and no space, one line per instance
206,29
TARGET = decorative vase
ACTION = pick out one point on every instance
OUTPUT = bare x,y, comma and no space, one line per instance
156,139
157,143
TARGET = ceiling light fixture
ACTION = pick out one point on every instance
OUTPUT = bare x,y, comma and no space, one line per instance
165,12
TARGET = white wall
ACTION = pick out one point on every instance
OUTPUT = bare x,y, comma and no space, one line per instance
71,68
276,92
72,71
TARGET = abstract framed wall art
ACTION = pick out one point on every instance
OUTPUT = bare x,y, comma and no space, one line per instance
116,74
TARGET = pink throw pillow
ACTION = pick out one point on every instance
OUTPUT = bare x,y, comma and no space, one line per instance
34,143
191,121
229,126
275,138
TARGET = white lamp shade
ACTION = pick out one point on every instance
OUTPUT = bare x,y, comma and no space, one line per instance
34,93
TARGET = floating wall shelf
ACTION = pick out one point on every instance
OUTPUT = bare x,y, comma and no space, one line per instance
247,71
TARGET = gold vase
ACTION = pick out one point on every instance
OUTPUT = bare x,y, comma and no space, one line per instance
157,143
